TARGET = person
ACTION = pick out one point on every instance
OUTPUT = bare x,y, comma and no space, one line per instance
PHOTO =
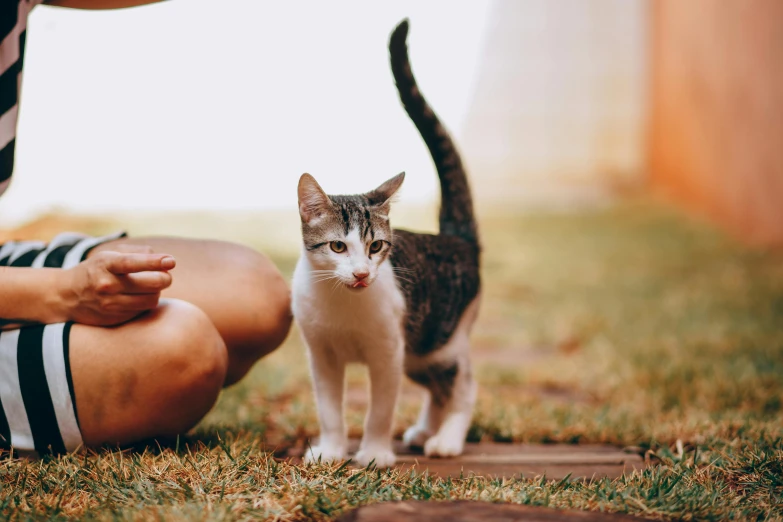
114,340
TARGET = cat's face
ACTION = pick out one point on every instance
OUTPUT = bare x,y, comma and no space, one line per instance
346,238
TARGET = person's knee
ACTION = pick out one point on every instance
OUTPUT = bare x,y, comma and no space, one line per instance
195,357
274,322
157,375
266,318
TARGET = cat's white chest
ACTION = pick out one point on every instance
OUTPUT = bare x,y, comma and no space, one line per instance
353,325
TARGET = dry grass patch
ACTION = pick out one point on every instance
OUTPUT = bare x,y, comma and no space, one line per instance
633,326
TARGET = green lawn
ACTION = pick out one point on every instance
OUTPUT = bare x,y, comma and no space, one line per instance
633,325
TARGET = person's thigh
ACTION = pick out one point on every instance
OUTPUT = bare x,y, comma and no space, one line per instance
157,375
240,289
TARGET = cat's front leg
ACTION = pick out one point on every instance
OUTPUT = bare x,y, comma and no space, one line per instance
385,376
328,373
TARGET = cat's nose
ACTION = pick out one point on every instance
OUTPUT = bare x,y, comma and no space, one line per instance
361,275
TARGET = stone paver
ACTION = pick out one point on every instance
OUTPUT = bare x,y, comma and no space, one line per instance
512,460
468,511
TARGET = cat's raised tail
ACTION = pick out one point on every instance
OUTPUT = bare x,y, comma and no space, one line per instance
456,207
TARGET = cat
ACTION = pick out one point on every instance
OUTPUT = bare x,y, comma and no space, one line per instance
396,301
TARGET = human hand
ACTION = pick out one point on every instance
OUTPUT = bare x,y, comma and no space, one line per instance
112,287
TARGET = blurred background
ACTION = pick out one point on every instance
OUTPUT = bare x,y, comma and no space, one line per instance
626,157
219,106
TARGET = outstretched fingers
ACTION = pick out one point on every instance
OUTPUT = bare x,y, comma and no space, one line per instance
132,263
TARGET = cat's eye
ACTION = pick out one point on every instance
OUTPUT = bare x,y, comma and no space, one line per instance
337,246
376,246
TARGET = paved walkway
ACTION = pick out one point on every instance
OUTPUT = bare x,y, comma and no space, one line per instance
529,460
468,511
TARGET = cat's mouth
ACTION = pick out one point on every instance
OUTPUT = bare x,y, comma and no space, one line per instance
359,284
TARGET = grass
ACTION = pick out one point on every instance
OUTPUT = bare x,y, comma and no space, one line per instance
633,325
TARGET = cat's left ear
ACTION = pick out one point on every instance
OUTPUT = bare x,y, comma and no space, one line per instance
382,194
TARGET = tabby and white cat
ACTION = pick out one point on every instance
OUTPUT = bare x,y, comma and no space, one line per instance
394,300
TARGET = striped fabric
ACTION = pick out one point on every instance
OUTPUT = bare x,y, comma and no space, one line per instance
65,251
36,390
13,31
37,404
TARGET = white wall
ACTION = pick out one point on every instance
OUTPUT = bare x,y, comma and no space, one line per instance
559,113
222,104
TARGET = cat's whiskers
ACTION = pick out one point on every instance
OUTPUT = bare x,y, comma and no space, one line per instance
400,273
326,274
335,286
322,278
314,273
401,278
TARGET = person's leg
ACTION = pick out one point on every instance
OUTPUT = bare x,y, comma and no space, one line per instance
239,289
155,376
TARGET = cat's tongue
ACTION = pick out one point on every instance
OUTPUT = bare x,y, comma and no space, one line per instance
359,284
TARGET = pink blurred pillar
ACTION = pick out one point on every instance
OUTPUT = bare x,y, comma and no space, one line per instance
716,114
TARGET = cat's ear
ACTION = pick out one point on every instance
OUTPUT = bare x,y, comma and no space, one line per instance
313,201
384,193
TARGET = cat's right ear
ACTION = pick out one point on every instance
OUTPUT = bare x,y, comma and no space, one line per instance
313,201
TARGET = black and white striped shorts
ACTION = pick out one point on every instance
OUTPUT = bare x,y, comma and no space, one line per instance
37,402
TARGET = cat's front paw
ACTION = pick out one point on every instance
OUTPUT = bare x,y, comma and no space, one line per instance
325,454
416,436
383,457
443,446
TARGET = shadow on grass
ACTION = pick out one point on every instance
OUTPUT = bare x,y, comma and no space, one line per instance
249,436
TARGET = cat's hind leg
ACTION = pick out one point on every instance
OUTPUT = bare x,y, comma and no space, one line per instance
427,424
447,410
456,415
